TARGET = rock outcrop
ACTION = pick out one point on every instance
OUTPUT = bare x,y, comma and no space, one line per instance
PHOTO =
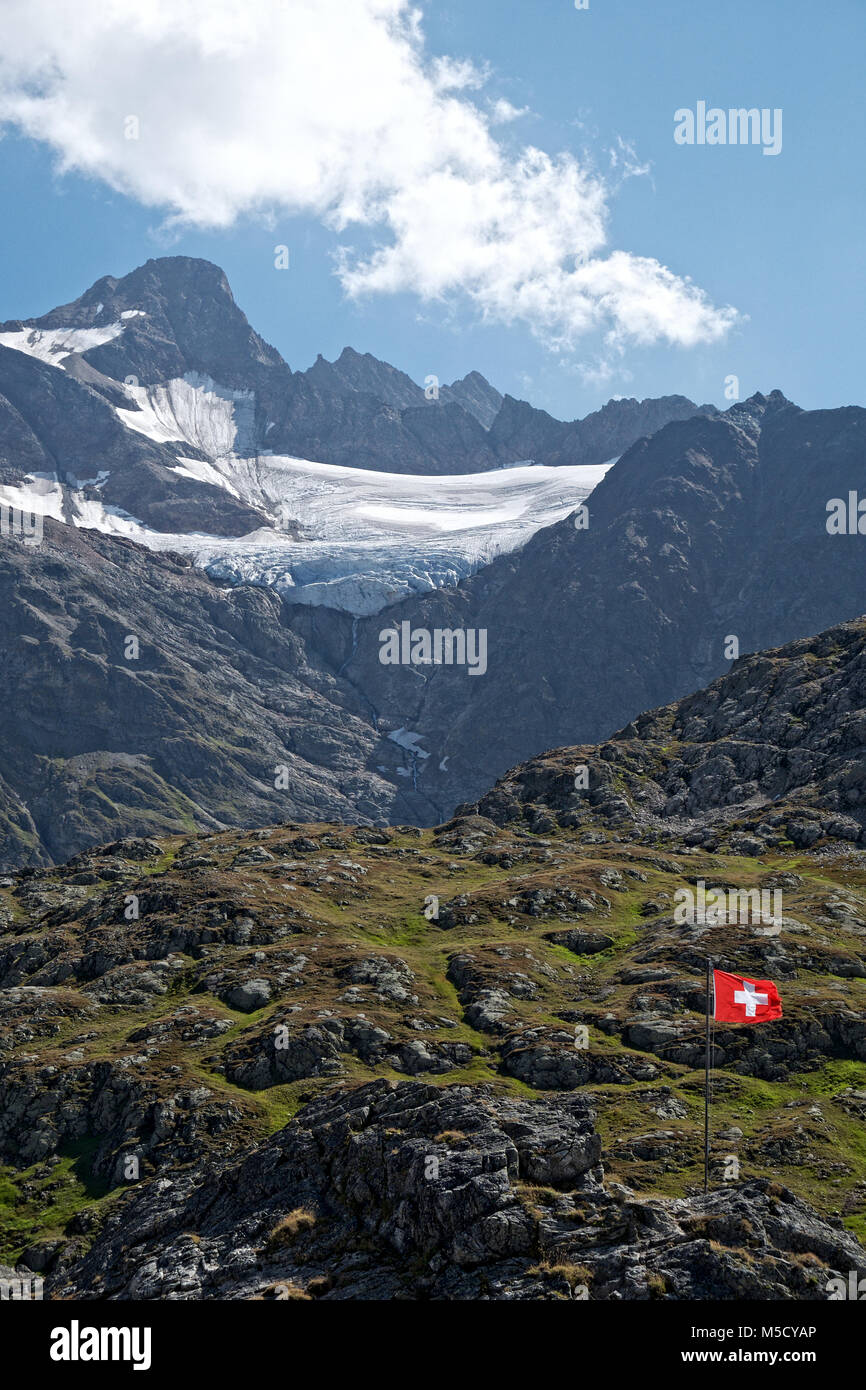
249,1064
413,1192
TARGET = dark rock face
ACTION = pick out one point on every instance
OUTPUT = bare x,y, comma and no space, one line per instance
522,431
701,533
362,372
412,1191
46,1109
63,420
476,395
772,754
190,323
232,691
287,1053
196,728
355,372
583,943
54,422
548,1060
356,411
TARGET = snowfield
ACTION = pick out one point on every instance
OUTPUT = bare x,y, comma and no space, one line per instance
341,537
194,409
358,540
345,537
52,345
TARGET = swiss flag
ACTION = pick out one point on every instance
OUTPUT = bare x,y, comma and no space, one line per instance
738,1000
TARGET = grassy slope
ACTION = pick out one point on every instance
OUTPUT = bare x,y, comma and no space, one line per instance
823,1144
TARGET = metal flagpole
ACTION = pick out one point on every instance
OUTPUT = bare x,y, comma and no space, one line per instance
707,1090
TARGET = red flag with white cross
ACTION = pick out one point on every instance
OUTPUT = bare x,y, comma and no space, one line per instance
739,1000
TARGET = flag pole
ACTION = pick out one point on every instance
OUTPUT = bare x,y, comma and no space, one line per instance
707,1090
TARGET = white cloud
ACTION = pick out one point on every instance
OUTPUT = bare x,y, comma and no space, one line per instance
502,110
623,158
333,108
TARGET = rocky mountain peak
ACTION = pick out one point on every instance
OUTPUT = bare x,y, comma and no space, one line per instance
476,395
360,372
173,315
760,406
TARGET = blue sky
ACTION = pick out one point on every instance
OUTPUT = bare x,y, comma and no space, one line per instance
778,238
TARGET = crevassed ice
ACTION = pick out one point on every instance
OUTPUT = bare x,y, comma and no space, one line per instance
359,540
337,542
346,538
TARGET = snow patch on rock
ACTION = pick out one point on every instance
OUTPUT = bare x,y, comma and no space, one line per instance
410,741
194,409
54,345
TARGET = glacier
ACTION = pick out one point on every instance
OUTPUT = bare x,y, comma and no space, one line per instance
345,538
359,540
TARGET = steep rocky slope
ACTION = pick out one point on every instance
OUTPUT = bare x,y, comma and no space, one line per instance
354,372
61,433
773,754
520,430
238,710
713,529
162,339
335,1061
139,696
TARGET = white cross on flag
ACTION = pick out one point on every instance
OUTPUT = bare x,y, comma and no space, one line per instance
738,1000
